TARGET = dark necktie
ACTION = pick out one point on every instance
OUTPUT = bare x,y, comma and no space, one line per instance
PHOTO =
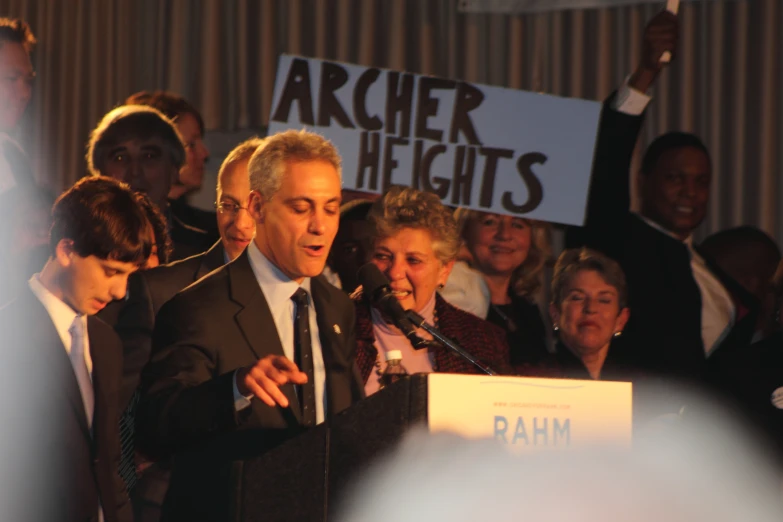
303,357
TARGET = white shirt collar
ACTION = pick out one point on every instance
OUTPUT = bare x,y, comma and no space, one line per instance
688,240
61,314
276,286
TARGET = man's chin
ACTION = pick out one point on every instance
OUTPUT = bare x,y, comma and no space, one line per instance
685,227
310,270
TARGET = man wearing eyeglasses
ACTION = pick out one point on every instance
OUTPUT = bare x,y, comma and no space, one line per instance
149,290
235,224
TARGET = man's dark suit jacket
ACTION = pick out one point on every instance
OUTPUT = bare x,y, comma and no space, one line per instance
663,334
202,335
134,317
192,230
71,469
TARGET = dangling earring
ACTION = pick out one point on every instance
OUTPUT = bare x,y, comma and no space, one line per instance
556,328
618,334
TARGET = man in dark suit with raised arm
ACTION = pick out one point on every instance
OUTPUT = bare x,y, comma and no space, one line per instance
688,319
222,384
63,365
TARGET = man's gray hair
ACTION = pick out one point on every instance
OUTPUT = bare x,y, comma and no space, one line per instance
268,164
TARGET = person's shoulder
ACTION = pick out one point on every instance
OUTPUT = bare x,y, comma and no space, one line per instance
11,312
22,303
194,218
182,268
465,321
322,286
205,293
98,326
214,282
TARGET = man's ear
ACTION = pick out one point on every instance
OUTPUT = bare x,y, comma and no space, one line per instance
256,206
64,252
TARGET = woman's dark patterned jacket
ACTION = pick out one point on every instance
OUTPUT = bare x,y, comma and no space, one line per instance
485,341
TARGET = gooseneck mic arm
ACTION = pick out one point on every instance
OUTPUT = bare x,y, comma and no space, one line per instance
419,321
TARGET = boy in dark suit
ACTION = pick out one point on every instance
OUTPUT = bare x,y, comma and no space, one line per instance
67,365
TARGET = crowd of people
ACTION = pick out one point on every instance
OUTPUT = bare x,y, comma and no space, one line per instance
183,341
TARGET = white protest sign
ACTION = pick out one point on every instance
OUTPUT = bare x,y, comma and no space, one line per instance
486,148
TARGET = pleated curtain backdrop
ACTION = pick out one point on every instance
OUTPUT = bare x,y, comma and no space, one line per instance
725,84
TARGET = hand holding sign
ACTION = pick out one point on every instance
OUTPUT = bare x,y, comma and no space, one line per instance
672,6
660,37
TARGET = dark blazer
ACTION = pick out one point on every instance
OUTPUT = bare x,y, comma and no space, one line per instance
525,332
72,469
192,230
482,339
663,334
751,388
134,317
201,337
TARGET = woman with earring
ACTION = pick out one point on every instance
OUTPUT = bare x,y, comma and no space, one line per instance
415,243
588,310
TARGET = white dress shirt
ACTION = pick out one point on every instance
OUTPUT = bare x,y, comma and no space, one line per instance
278,289
62,316
718,313
630,101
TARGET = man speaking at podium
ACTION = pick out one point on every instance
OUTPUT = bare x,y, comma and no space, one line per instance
262,348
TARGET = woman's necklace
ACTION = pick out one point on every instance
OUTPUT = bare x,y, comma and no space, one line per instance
511,326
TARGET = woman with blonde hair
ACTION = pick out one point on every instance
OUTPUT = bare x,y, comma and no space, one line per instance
510,254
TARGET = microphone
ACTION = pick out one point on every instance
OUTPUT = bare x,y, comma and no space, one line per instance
449,343
377,288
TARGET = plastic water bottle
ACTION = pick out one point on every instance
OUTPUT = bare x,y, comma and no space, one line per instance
394,370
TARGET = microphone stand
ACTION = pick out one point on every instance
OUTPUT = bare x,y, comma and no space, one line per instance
456,348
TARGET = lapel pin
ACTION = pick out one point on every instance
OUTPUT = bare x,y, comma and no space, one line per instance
337,329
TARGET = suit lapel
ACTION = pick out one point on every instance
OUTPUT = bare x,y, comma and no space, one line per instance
101,355
45,339
212,259
333,337
255,319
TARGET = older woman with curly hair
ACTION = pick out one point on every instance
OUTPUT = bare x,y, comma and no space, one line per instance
415,243
509,253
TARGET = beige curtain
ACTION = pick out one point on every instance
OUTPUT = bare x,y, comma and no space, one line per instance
221,54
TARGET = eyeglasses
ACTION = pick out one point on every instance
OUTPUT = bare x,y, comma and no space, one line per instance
229,208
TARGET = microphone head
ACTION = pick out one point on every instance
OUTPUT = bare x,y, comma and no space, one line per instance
372,280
